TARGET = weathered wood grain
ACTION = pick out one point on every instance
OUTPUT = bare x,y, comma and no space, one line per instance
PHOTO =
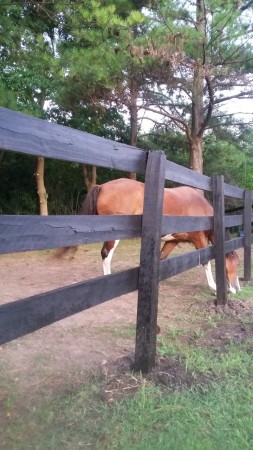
145,347
233,191
233,221
233,244
219,231
183,175
25,316
178,264
181,224
23,233
26,134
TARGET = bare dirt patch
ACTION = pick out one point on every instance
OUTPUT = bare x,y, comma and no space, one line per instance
120,380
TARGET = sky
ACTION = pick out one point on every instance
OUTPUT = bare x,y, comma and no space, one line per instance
241,109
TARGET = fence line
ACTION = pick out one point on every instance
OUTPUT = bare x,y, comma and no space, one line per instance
25,134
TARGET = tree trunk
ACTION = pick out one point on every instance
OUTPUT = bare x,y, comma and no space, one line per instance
1,155
90,176
196,154
133,118
41,190
196,146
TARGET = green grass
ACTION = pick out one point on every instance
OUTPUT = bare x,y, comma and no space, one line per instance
214,415
246,292
218,417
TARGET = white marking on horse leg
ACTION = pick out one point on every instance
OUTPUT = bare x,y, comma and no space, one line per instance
167,237
237,284
231,289
235,287
209,276
108,259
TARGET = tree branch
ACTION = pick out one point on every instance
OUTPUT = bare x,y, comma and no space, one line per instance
240,95
180,123
243,8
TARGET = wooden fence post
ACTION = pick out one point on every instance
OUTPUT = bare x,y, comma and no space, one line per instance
219,233
247,234
145,349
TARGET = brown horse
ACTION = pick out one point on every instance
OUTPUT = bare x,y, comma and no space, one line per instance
125,196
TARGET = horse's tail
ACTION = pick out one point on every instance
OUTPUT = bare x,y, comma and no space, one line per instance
89,207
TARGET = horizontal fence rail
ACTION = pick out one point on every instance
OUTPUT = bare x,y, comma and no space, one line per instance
183,175
183,224
23,233
233,221
233,191
234,244
29,135
27,233
178,264
30,314
26,134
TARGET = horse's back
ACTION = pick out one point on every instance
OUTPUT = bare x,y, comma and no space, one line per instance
186,201
126,196
121,196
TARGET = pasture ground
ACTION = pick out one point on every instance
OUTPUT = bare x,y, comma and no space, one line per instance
71,385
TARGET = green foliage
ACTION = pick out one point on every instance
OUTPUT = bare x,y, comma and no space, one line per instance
18,187
173,144
229,152
27,60
95,55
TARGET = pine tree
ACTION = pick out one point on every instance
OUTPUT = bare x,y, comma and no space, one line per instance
209,62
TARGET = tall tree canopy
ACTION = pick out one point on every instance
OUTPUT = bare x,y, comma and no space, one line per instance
204,55
99,70
97,65
180,60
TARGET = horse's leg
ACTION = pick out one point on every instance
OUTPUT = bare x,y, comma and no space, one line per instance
201,241
231,289
106,253
68,252
209,276
237,284
167,248
232,261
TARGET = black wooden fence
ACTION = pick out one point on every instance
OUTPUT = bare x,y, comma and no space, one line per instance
25,134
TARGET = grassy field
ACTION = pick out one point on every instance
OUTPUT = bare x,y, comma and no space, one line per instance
199,397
